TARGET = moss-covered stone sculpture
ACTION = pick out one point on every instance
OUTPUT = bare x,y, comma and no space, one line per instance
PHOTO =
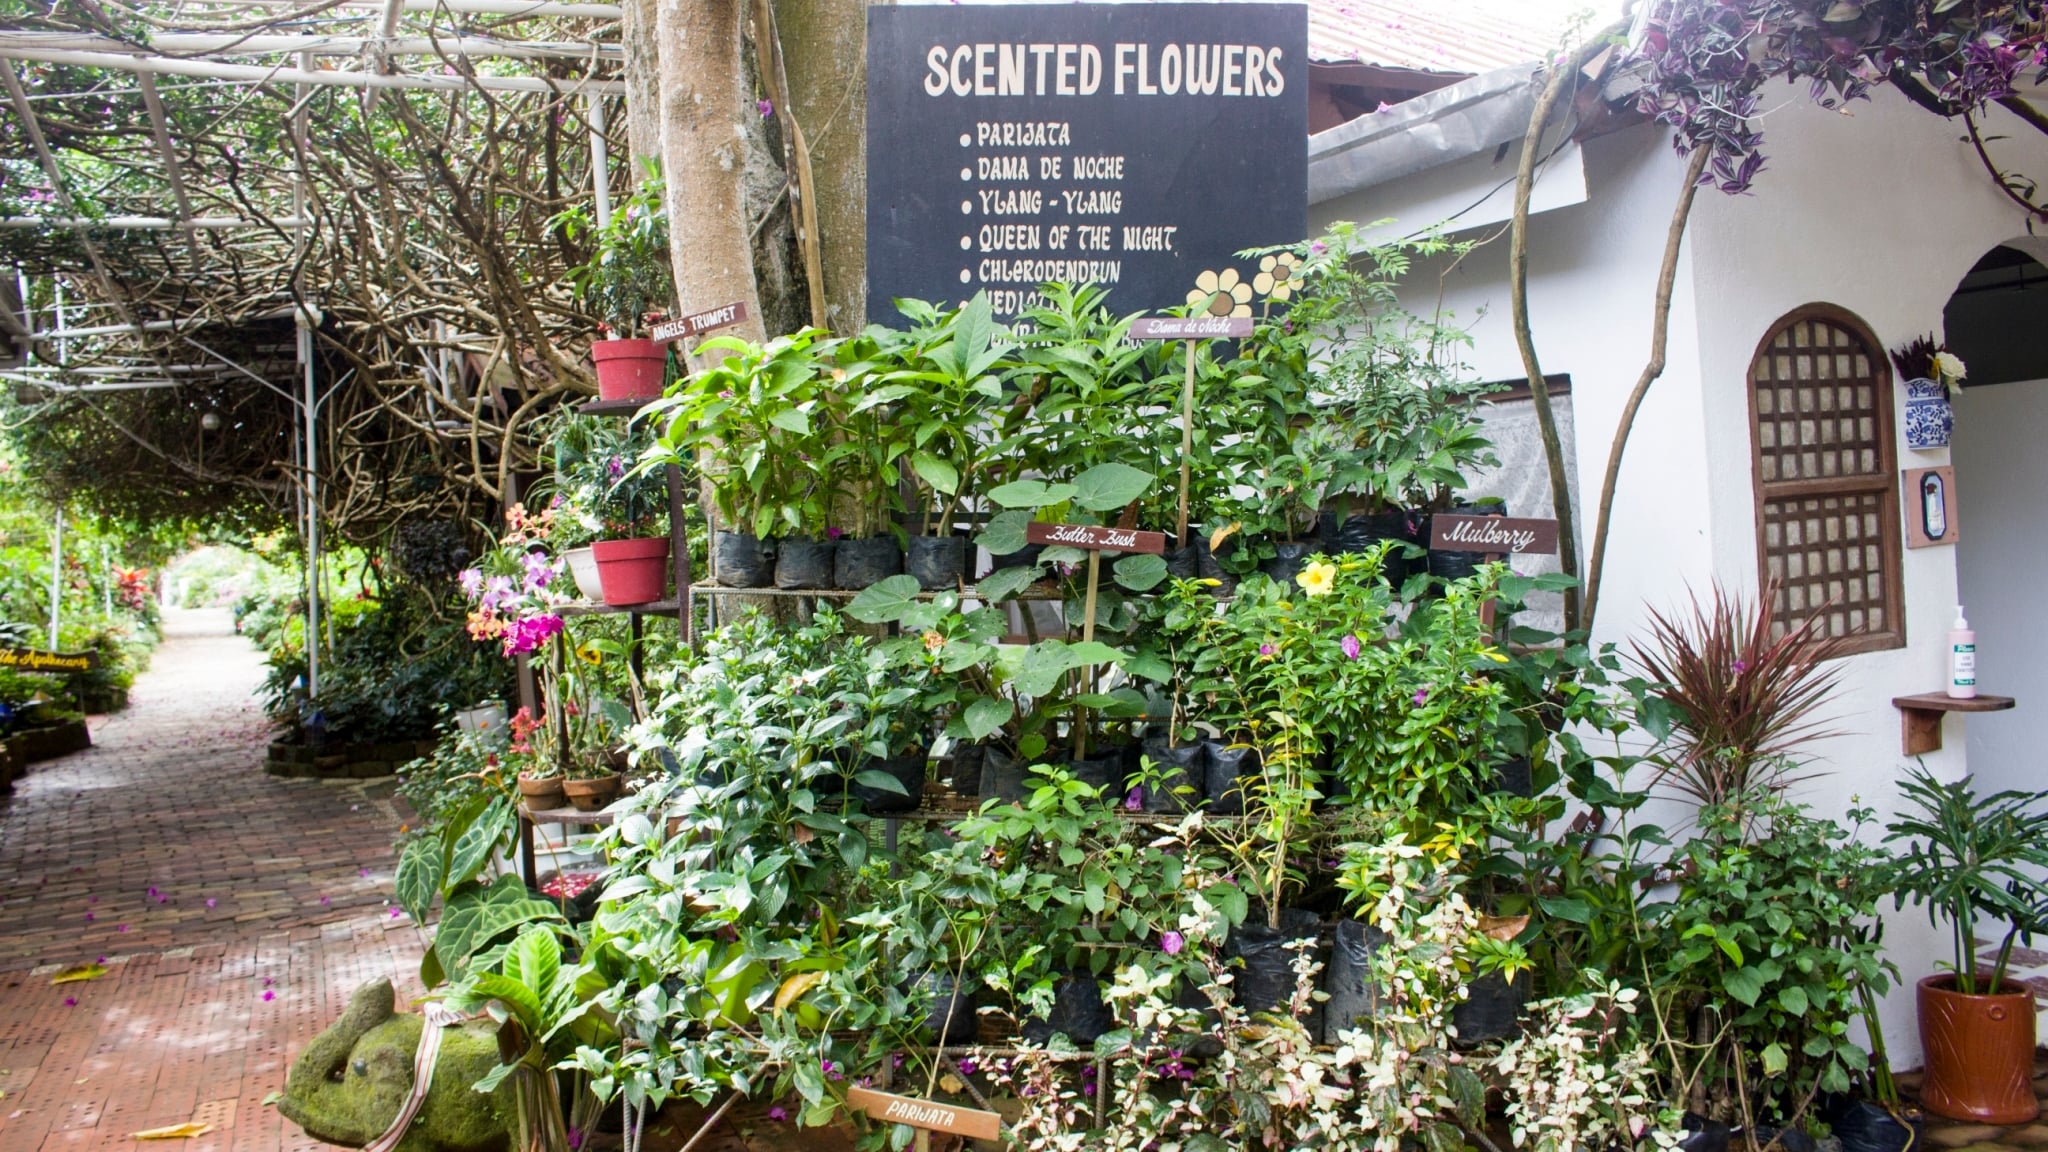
349,1084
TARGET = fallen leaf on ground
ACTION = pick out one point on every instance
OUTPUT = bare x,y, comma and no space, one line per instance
77,972
273,1098
175,1132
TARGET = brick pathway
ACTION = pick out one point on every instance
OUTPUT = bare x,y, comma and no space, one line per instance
234,911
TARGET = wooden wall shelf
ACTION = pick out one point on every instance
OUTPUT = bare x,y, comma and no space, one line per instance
1920,717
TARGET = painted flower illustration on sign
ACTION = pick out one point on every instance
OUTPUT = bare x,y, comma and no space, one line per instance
1222,293
1279,276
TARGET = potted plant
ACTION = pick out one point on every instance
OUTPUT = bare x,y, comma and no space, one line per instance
863,464
599,462
1930,372
755,424
539,772
626,281
957,360
1975,860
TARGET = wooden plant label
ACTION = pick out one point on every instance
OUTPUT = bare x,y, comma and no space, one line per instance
1190,327
1095,538
1494,535
37,660
927,1114
702,322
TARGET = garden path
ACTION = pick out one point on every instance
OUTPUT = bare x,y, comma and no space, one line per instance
234,912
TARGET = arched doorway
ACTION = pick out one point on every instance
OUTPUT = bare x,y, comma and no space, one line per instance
1997,322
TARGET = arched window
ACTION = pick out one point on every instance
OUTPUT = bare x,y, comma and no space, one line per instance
1827,515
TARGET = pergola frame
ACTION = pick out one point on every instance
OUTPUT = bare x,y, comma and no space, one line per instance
225,57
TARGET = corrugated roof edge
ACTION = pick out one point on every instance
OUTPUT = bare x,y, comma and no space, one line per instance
1449,124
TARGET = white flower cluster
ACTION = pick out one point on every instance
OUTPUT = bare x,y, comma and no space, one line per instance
1576,1078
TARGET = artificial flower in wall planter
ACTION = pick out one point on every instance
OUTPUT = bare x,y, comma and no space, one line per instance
1930,372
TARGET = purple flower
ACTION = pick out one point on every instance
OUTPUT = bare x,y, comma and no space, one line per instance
1739,667
1421,697
472,581
615,467
832,1071
395,913
88,917
1133,801
268,995
210,901
497,592
120,927
1171,943
1350,647
71,1001
765,107
1266,649
967,1066
575,1137
1318,247
779,1114
539,570
834,533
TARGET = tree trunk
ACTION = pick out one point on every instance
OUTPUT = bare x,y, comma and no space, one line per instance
824,46
643,87
704,133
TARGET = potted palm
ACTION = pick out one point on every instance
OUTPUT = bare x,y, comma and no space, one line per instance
1975,860
626,281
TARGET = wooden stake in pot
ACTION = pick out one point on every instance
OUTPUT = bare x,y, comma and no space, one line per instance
1188,330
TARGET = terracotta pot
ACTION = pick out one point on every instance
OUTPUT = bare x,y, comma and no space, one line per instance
591,795
1980,1053
632,571
541,793
629,369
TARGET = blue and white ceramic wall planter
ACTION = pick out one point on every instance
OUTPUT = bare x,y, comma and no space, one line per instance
1929,418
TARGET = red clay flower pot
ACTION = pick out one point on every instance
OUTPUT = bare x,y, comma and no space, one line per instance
1980,1053
632,571
629,369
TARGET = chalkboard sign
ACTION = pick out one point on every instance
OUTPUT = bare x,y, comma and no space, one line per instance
1138,146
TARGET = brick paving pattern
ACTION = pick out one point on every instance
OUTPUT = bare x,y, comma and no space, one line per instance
234,912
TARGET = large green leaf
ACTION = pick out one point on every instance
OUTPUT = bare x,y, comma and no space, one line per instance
884,602
1141,573
1032,493
474,917
1745,984
1107,487
1004,532
984,715
938,473
1004,583
473,847
792,420
419,876
482,987
534,959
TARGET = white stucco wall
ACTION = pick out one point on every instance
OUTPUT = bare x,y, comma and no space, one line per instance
1879,211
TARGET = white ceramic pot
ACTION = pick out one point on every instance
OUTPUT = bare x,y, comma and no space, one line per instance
482,718
583,566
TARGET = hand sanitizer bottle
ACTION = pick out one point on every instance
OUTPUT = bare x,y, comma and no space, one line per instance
1962,659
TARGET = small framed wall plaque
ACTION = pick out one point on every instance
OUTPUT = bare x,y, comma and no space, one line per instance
1930,506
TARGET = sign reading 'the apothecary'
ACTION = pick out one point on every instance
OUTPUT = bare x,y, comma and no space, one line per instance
1137,146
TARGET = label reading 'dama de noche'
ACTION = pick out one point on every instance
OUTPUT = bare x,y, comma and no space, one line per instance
1132,146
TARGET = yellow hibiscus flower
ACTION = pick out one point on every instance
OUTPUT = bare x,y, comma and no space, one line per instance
1318,579
1222,293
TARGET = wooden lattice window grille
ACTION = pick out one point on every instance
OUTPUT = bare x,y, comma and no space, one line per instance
1826,498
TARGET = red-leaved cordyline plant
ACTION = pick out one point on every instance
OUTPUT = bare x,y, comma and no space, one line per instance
1740,694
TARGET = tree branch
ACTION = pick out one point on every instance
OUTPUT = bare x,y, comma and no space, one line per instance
1660,330
1518,298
